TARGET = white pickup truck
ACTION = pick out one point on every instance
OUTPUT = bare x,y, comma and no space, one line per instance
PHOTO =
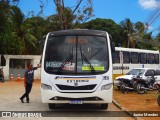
141,72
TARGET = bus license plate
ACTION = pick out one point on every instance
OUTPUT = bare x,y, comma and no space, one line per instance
75,102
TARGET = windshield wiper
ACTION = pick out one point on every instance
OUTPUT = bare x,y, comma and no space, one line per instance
87,61
70,57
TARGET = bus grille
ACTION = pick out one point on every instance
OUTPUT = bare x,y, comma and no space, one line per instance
84,99
86,87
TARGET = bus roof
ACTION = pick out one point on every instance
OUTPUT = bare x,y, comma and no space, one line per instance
136,50
78,32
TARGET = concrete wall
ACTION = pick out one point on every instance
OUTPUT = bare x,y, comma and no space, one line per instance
35,59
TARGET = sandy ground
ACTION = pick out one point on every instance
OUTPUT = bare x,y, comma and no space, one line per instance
138,102
10,92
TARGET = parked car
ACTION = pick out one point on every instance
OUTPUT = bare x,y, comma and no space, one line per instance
143,73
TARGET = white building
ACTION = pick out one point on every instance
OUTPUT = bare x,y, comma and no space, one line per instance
17,64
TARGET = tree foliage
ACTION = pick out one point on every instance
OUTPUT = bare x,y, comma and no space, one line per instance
16,35
19,34
8,42
106,25
67,15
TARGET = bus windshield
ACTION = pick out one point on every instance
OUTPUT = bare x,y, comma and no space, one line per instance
76,55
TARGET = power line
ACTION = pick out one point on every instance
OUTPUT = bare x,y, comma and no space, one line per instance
153,17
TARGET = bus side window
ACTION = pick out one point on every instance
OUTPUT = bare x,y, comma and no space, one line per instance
116,58
126,57
143,58
157,58
151,58
134,57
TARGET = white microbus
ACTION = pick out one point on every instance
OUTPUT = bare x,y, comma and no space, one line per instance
126,59
77,68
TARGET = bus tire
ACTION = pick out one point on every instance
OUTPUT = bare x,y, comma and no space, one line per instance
51,105
104,106
158,100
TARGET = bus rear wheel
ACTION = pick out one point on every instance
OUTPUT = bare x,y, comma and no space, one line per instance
51,105
104,106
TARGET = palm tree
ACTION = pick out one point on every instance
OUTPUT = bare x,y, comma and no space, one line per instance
21,31
127,25
8,43
144,39
139,29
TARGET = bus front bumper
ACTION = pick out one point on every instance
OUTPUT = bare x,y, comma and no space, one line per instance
50,96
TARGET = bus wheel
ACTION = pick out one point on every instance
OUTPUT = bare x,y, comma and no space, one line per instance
104,106
51,105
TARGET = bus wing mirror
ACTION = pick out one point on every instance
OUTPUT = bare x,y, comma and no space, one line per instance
3,60
113,46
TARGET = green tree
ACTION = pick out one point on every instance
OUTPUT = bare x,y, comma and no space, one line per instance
139,29
66,15
143,40
55,24
36,27
139,34
128,30
8,42
52,23
157,42
22,31
106,25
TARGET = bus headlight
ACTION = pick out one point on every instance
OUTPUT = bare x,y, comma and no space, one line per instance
106,87
46,87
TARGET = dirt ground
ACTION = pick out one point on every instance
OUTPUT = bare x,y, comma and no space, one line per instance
133,101
130,101
10,92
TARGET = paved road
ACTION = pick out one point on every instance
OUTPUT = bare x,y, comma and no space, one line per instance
10,92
